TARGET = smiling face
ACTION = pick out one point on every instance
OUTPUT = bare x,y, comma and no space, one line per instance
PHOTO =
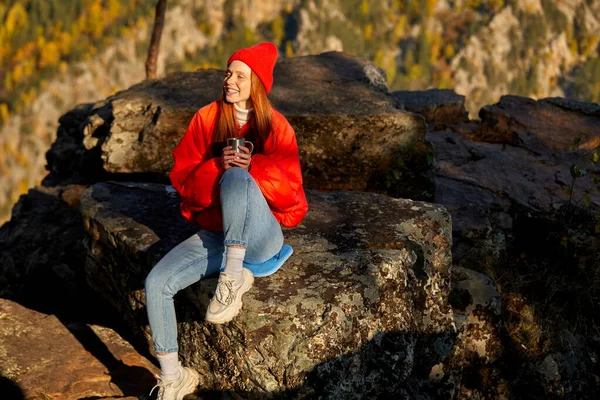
237,84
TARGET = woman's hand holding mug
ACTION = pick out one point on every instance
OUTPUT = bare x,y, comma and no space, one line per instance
240,158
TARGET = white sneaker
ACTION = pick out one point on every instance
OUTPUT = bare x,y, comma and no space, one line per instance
177,389
227,301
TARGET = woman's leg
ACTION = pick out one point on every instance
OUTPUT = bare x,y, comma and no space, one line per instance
251,233
191,260
247,218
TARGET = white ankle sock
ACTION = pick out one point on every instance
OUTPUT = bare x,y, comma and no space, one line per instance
169,366
234,261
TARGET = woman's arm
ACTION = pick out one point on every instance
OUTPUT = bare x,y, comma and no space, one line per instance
278,174
195,173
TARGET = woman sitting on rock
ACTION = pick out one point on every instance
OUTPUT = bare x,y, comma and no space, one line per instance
239,199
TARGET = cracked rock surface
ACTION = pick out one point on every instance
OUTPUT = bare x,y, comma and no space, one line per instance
514,162
359,310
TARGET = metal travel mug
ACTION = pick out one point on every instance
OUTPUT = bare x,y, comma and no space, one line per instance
236,142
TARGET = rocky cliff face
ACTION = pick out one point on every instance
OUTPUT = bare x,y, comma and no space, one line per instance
481,49
520,215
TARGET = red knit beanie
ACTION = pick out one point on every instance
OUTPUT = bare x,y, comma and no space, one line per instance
261,59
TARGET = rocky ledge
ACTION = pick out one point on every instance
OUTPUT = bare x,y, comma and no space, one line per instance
359,311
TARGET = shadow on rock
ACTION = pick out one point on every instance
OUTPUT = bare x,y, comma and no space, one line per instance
42,258
385,367
10,390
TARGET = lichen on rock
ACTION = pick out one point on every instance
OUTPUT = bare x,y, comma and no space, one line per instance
361,305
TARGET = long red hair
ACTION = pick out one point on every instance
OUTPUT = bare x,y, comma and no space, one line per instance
260,120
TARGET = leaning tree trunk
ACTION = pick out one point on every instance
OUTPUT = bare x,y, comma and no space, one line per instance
159,21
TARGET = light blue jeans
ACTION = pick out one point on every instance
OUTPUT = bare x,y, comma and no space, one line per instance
247,221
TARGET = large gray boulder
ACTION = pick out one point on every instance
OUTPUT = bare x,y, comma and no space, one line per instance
350,134
359,311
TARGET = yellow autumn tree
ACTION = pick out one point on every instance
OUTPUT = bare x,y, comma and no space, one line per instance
95,20
25,52
113,9
495,5
40,40
430,6
364,7
29,67
4,45
400,28
386,61
49,55
16,17
289,49
4,114
473,3
368,31
589,45
8,81
65,43
436,43
17,74
415,72
278,29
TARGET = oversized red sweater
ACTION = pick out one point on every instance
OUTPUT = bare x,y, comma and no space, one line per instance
196,172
